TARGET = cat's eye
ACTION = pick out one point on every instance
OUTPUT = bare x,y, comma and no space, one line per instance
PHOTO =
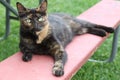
41,19
28,20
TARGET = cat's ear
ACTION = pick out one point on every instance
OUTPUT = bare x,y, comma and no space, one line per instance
43,6
20,7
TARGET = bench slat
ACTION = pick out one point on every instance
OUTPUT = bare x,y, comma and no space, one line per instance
104,13
79,50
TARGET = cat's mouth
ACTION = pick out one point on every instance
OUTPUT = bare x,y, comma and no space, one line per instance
37,30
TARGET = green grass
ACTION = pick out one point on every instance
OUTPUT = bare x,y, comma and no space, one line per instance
91,70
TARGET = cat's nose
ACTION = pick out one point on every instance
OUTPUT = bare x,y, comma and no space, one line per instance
38,28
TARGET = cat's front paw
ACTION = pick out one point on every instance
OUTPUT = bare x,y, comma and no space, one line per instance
27,57
58,71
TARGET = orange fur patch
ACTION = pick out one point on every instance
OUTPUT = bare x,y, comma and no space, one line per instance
42,34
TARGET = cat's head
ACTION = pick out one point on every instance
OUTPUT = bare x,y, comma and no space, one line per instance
33,19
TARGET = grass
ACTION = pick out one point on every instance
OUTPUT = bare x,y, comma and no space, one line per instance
91,70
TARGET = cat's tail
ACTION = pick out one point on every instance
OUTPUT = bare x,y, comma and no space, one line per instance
87,27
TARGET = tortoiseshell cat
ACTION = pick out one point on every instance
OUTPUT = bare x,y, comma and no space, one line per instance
40,33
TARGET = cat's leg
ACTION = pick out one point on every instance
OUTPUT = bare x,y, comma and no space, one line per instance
107,29
27,54
91,30
60,57
96,31
58,68
87,27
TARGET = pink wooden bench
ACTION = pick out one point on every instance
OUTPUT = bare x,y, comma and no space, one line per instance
79,50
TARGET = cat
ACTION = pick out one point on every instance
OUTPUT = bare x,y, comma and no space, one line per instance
41,33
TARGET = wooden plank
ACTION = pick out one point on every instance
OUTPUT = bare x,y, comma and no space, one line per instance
105,12
79,50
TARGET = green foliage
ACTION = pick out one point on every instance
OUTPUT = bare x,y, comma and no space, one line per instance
91,70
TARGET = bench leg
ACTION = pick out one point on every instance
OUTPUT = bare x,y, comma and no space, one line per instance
40,1
7,22
114,44
6,3
8,17
114,47
9,9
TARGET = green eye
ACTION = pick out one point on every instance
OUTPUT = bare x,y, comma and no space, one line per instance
28,20
41,19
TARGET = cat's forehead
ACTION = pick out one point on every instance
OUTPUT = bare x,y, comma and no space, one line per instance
32,11
36,12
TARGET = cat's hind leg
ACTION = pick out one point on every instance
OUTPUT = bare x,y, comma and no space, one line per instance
95,31
107,29
87,27
98,32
